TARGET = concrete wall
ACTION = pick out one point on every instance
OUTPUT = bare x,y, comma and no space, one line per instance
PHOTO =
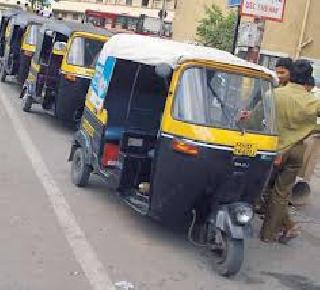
285,36
279,37
188,14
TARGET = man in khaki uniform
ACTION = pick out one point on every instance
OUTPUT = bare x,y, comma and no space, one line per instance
301,190
297,112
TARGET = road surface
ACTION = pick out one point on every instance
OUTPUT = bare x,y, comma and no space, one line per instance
57,236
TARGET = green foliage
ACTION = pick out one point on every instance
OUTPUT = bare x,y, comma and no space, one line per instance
217,30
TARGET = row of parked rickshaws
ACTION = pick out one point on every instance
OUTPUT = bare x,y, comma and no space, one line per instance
53,60
185,134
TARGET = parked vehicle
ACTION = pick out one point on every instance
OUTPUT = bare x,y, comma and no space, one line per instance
182,132
12,62
28,47
62,68
5,16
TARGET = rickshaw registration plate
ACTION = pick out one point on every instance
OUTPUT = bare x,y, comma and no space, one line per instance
245,149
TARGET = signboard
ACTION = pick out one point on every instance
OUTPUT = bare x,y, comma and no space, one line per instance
264,9
250,35
234,3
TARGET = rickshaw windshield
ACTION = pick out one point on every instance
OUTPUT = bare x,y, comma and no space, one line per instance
32,34
84,52
220,99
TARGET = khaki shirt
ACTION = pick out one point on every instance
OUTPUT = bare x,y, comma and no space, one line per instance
297,112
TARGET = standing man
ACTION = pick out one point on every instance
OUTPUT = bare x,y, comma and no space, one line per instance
297,112
301,190
283,69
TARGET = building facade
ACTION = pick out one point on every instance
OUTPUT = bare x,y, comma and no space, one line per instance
74,9
298,36
149,8
141,16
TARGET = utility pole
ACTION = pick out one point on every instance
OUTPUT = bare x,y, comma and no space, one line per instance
253,54
162,15
236,31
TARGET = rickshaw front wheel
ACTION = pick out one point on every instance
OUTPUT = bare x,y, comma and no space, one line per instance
80,171
3,74
229,255
27,101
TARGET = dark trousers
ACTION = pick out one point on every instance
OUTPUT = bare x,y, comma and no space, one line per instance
277,218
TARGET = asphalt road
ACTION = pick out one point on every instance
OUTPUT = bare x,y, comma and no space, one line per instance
56,236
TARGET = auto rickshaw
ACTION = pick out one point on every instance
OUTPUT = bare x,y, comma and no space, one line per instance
13,61
62,68
28,47
183,133
5,16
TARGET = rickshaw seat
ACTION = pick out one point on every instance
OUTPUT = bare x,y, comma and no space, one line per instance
113,133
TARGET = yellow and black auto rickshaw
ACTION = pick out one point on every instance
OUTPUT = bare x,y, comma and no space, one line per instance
183,133
62,68
28,46
13,61
5,16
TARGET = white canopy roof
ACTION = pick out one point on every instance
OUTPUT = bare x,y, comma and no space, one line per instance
153,51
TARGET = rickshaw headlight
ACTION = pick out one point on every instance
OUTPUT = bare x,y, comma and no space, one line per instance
243,214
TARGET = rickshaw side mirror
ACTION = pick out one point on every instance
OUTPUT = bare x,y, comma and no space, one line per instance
60,47
163,70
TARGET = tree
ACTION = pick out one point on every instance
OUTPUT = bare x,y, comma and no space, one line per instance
217,30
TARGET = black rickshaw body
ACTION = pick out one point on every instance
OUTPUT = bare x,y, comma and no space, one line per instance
28,47
5,17
60,78
220,171
14,38
180,131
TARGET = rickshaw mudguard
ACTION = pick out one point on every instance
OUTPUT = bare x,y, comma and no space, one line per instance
30,86
224,223
81,139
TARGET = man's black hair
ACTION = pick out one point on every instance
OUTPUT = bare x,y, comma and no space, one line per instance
285,62
302,72
311,82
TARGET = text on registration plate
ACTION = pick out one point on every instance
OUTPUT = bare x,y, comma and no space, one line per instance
245,149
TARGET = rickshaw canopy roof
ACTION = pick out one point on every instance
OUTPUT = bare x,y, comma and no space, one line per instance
23,19
68,27
10,12
154,51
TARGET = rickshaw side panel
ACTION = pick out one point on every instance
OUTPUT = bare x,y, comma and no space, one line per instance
71,97
215,175
94,129
25,63
13,50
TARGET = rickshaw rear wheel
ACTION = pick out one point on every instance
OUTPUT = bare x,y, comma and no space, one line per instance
3,74
229,255
80,171
27,101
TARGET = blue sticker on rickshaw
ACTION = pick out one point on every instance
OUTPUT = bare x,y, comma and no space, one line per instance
101,81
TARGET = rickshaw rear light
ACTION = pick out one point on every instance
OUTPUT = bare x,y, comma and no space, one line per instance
278,160
110,155
70,77
184,147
